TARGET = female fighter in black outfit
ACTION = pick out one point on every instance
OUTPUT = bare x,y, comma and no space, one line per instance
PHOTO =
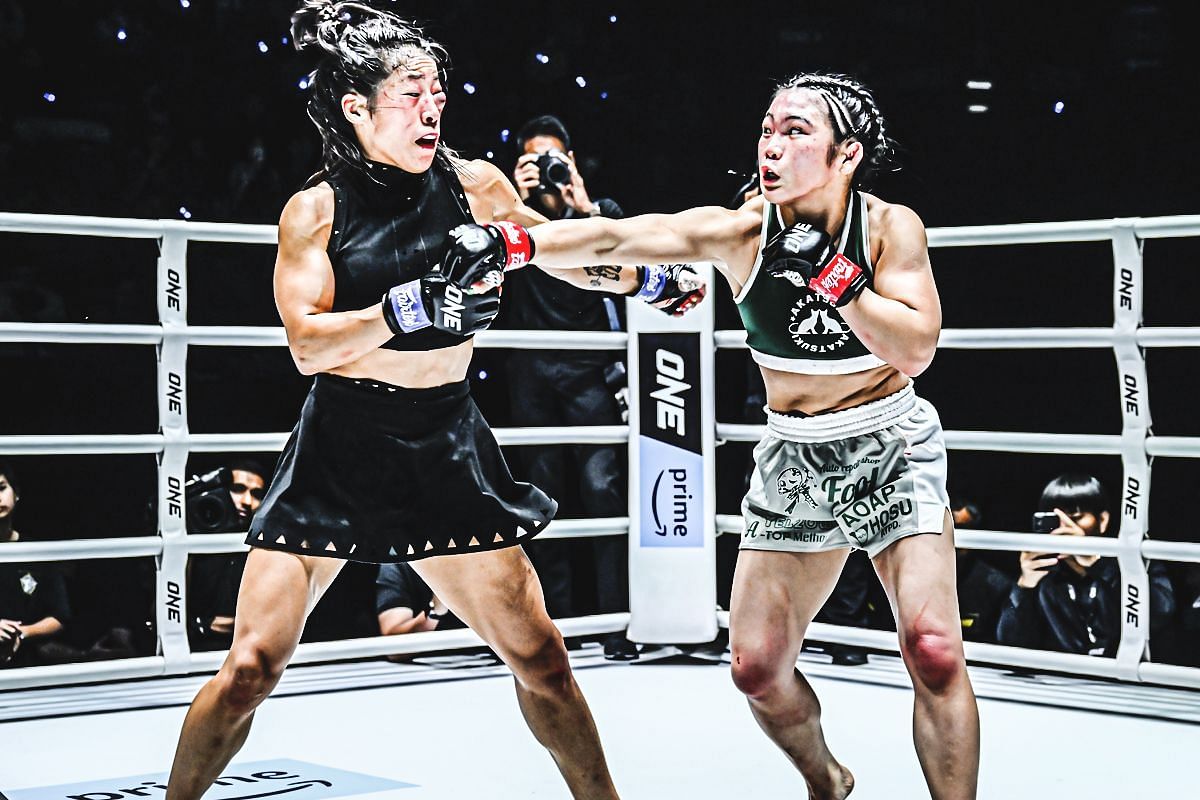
391,460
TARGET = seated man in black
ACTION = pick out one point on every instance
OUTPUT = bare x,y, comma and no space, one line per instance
1072,603
556,387
982,588
33,597
406,604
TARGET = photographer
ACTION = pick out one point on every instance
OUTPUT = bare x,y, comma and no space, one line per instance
221,501
550,387
1072,603
982,588
33,597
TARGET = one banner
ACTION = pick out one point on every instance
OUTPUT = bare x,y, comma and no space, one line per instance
672,505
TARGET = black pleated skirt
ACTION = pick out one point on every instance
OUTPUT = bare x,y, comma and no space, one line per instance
381,473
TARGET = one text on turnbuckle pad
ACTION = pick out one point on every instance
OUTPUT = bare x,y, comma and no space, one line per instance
174,496
174,603
174,290
1125,288
175,392
669,374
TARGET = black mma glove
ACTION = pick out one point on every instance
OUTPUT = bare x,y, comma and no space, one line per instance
674,288
798,254
435,302
484,252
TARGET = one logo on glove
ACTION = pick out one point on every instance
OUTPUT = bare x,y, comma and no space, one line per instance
794,483
453,309
471,237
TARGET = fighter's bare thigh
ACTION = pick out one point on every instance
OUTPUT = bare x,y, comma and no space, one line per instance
277,592
918,574
776,594
496,592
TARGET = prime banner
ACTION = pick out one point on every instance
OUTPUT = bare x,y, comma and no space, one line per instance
671,466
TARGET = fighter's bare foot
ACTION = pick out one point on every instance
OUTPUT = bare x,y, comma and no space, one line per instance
839,786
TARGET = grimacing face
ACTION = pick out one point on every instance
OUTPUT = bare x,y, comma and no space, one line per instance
401,125
796,145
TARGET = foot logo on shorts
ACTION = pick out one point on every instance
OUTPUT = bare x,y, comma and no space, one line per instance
793,483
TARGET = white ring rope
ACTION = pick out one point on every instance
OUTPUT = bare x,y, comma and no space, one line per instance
262,336
208,543
174,335
127,443
1022,233
307,653
1018,338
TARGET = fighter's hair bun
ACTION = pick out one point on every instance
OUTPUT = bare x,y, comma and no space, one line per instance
323,23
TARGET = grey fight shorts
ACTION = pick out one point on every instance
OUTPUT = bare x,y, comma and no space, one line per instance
863,478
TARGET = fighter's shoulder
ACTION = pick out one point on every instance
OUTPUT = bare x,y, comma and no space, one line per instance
308,212
481,177
892,220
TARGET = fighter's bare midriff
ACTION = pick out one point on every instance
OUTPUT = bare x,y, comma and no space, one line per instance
818,394
414,369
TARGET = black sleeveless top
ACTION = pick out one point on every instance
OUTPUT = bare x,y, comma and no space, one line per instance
389,231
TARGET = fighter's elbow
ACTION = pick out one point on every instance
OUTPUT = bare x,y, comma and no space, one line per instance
305,363
917,360
309,356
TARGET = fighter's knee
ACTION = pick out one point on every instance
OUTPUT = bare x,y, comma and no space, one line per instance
756,673
248,676
935,656
543,667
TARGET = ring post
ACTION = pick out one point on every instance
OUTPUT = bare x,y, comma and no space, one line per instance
672,480
1135,426
171,594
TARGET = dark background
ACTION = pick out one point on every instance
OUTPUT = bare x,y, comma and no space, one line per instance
186,117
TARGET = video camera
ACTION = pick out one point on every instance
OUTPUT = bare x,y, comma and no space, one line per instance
210,507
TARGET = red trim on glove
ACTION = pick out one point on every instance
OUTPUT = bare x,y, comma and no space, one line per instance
518,247
835,279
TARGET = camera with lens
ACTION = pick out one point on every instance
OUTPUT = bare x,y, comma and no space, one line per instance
554,171
210,507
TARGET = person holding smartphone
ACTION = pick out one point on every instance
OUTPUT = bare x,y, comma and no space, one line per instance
1072,603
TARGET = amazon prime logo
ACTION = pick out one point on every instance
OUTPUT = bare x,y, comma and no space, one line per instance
794,483
260,779
669,502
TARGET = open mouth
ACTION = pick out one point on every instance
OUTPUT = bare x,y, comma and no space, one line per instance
428,141
769,176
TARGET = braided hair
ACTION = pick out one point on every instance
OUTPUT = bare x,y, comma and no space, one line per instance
359,47
853,115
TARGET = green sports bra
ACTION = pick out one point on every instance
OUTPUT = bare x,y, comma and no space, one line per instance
788,327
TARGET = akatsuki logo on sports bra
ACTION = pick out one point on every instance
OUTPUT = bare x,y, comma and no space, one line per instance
816,327
793,483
